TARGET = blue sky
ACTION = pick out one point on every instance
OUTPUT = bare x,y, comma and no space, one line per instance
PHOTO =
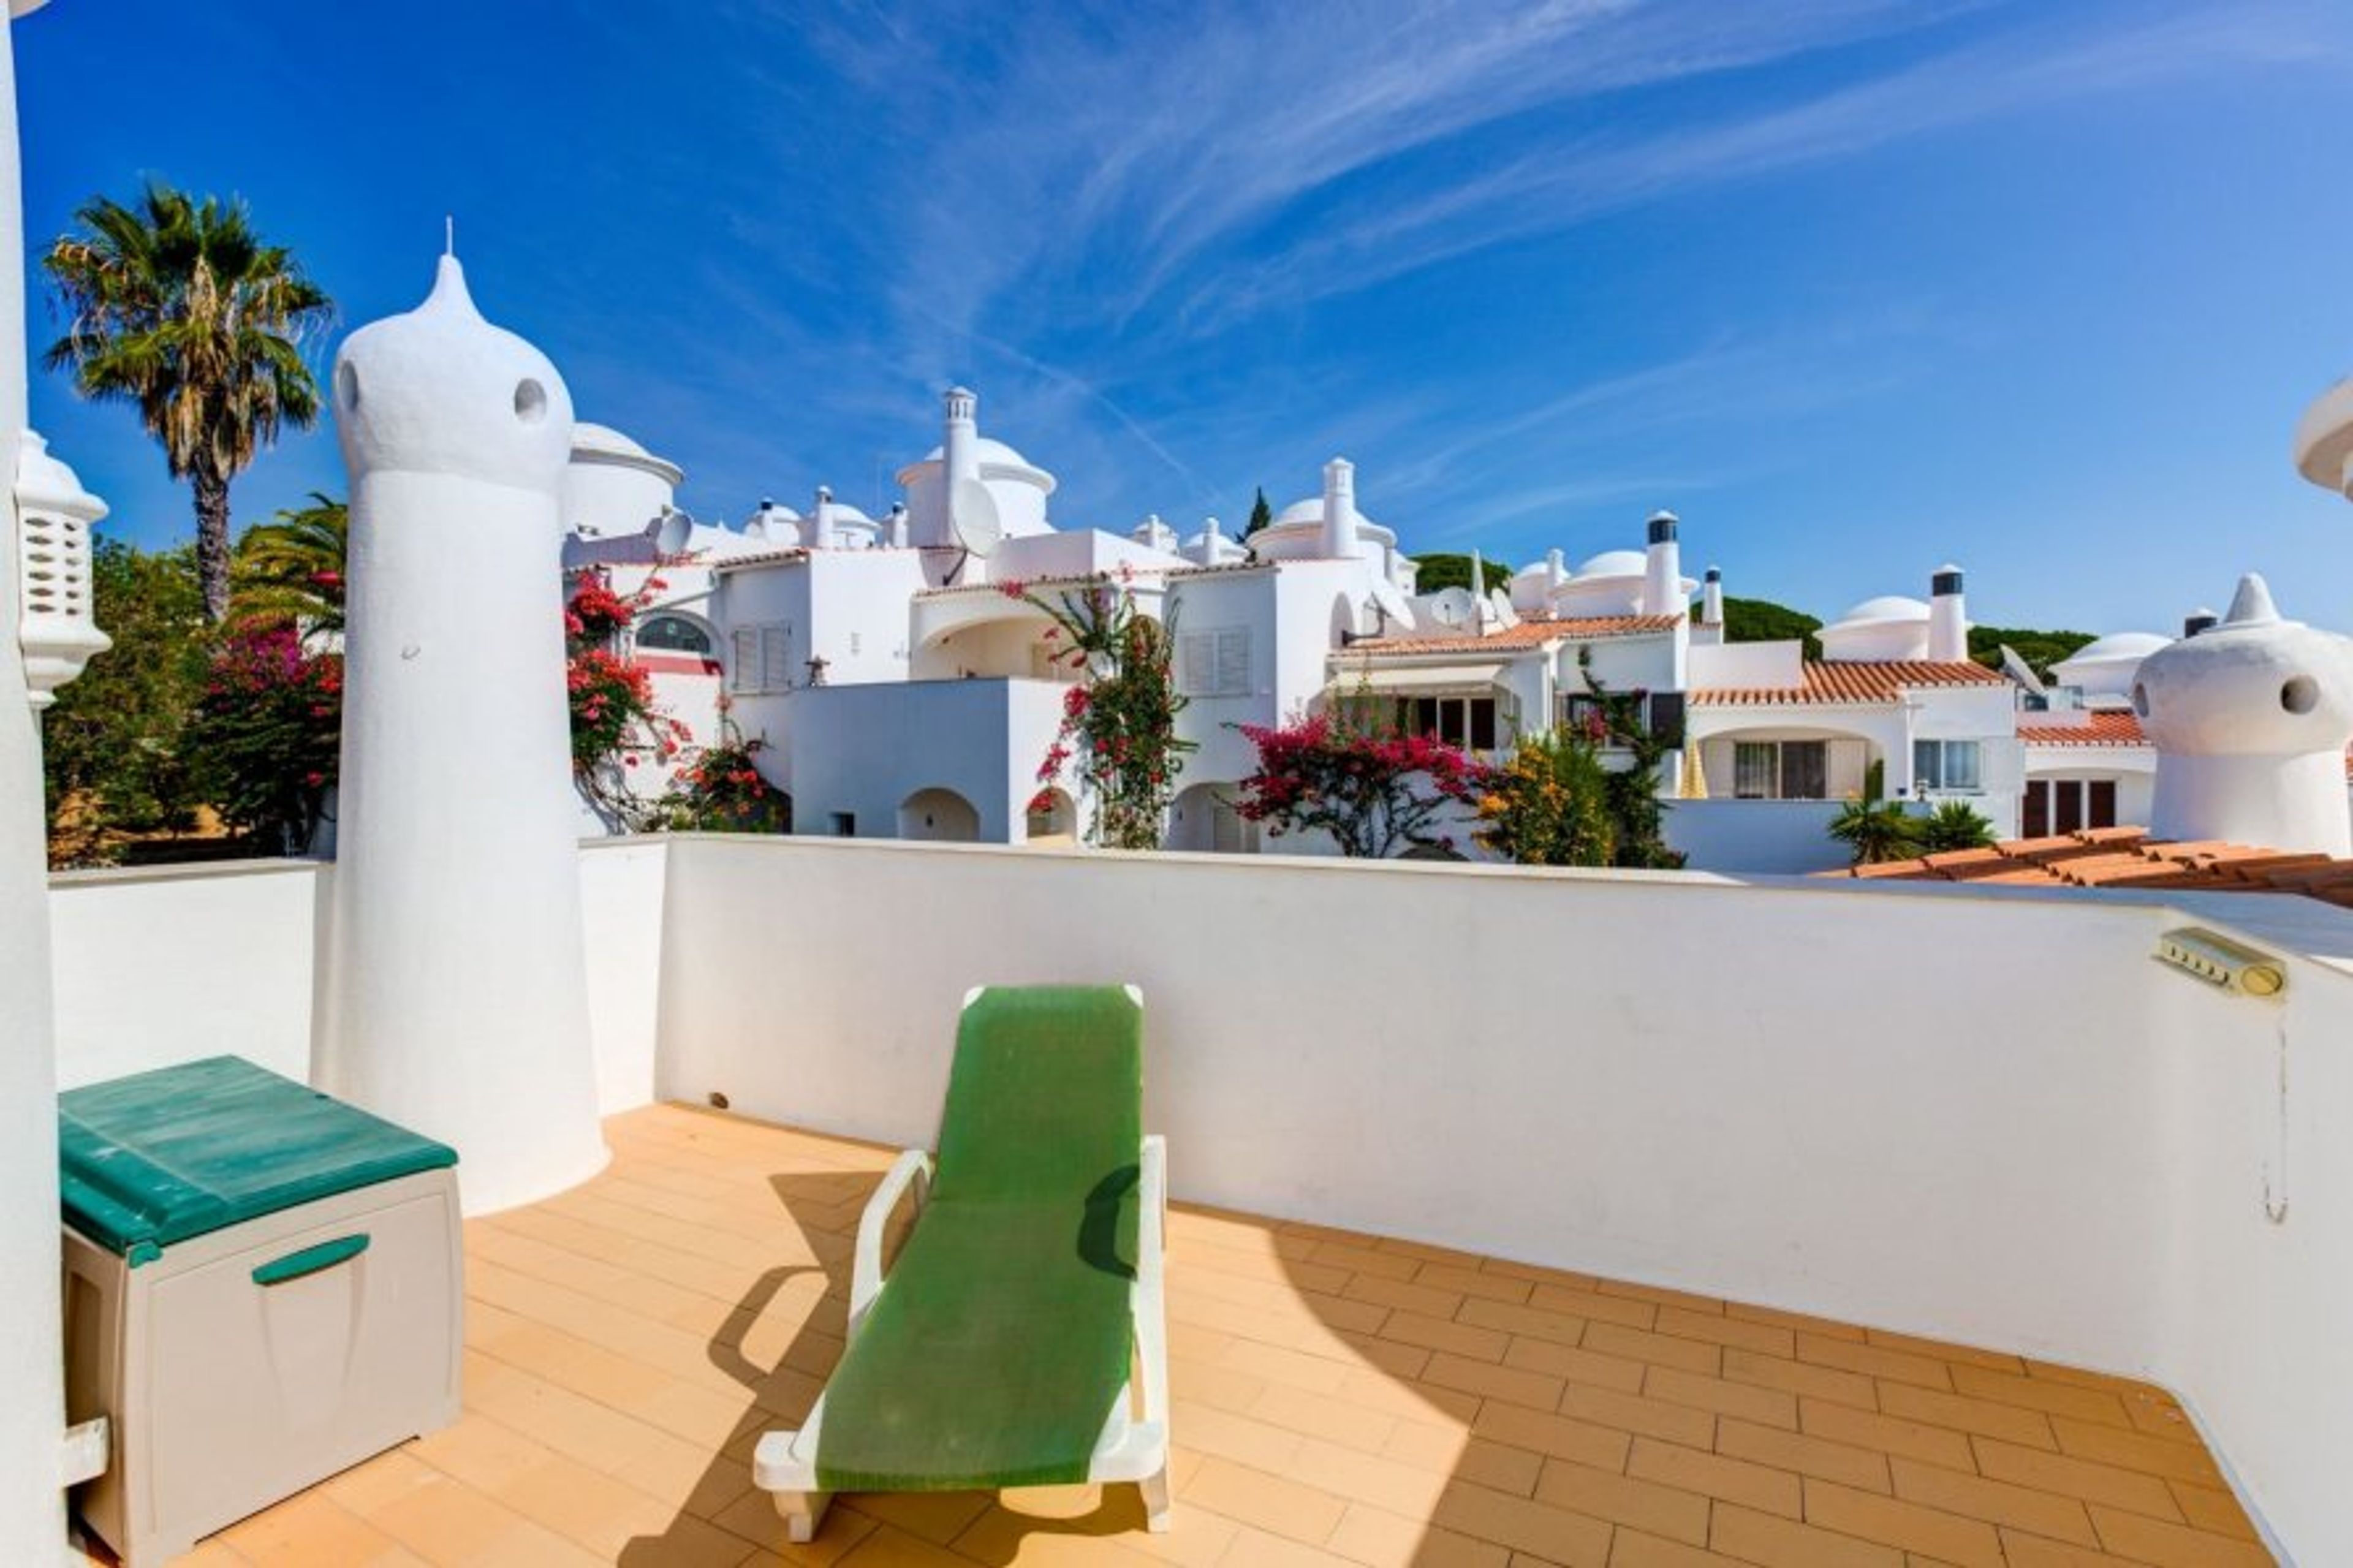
1856,286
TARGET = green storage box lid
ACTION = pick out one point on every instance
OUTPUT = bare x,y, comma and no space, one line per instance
160,1156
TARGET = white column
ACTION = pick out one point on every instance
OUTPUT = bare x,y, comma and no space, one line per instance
457,1001
32,1377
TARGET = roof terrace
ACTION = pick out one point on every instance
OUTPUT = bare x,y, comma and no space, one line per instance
1576,1182
1340,1398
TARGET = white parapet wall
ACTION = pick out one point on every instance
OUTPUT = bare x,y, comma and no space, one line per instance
1989,1119
165,965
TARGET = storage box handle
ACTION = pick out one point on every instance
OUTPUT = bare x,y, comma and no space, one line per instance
310,1259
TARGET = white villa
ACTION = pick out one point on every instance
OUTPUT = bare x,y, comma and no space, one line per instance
904,687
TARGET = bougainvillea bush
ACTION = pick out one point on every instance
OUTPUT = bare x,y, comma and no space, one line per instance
1119,722
616,724
1378,792
267,734
719,788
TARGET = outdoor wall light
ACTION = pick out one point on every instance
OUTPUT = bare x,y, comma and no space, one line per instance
2221,962
55,619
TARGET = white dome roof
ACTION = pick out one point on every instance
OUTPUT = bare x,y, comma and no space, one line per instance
1615,563
1308,510
986,450
2117,646
1886,607
588,437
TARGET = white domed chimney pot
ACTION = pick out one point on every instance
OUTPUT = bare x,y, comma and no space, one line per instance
457,986
2250,719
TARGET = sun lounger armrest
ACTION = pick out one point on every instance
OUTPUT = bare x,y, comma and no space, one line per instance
913,1168
1149,1305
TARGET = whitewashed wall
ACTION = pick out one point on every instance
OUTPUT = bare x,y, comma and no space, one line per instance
2067,1165
160,966
155,967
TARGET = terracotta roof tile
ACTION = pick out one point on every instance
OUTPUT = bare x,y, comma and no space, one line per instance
2101,727
1527,634
2127,857
1850,682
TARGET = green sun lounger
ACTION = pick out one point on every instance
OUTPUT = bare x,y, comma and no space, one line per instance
997,1351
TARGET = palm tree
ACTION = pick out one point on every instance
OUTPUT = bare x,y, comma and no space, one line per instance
1875,830
291,571
176,307
1955,825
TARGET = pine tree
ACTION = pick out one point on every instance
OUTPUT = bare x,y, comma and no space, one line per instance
1261,514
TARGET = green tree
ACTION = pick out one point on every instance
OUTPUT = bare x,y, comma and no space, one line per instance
1261,514
291,571
111,745
175,306
1549,806
1762,620
1953,824
1449,569
1876,831
2041,650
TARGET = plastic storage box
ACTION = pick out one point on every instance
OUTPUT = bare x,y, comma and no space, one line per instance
263,1285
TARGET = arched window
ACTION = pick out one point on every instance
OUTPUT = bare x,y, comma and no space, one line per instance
672,634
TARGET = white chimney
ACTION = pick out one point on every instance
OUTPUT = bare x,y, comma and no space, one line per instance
1948,621
1710,609
1555,571
2250,719
959,459
1340,539
821,520
899,525
1662,569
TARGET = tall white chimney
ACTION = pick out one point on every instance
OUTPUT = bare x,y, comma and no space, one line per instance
1948,621
1662,569
1340,540
1710,609
821,519
959,458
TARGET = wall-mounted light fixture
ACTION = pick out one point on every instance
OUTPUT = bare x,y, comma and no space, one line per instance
56,619
2222,963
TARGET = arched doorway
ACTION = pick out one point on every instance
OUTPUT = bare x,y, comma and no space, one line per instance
1202,818
940,815
1057,822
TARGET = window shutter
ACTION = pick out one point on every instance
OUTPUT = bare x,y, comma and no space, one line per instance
1233,675
1197,663
745,676
775,647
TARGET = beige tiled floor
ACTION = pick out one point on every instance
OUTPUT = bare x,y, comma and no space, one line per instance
1339,1399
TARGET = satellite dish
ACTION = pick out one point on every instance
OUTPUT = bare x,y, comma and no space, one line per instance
672,532
1453,608
1392,603
973,517
2018,671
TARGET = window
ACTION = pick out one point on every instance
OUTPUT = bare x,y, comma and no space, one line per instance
845,823
760,656
2063,805
672,634
1214,663
1458,721
1660,713
1780,770
1944,765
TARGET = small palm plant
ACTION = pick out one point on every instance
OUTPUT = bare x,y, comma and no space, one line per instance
1955,825
176,306
1876,831
291,571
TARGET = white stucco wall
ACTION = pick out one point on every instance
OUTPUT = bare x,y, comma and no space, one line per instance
866,749
224,959
1782,837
